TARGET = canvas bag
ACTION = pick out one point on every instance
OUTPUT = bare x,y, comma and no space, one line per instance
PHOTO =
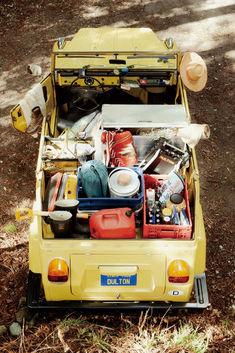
94,178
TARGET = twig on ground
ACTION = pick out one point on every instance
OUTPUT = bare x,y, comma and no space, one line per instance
60,332
50,334
141,325
159,327
126,320
22,343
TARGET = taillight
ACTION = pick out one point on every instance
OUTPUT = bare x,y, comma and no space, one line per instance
178,271
58,270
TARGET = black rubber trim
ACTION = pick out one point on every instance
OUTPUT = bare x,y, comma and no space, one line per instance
33,290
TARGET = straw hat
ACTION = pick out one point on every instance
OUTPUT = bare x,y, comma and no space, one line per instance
193,71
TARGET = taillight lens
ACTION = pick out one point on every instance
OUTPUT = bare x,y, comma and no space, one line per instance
58,270
178,271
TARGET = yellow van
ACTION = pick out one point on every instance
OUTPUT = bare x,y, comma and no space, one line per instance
103,83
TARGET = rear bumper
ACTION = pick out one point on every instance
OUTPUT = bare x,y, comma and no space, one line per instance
35,302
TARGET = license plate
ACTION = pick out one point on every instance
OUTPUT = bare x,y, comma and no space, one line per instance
118,280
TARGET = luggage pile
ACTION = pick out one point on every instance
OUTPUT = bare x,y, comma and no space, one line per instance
130,192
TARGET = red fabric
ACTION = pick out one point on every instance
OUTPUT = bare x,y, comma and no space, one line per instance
52,204
122,152
150,182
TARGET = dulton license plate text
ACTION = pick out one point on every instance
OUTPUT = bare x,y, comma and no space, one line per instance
118,280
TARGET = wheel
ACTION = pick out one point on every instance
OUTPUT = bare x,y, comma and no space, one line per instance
86,99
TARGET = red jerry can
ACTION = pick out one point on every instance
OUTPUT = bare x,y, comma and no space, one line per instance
116,223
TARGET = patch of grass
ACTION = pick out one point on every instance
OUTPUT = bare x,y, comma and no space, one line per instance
145,337
88,334
72,322
99,340
83,335
155,339
226,323
147,342
182,339
92,337
10,228
187,337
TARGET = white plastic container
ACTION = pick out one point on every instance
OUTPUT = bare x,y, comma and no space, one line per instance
150,195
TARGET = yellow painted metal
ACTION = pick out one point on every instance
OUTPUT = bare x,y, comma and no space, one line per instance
114,40
86,257
64,166
18,119
85,283
47,84
96,253
69,62
40,181
89,258
24,213
107,81
183,96
70,191
106,42
47,232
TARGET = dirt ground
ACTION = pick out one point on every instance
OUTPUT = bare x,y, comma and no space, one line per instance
27,32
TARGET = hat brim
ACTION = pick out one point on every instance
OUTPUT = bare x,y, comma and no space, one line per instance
198,85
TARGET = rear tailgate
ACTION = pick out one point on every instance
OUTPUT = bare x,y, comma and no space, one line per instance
112,277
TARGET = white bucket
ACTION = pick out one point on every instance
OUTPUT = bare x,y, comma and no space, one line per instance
123,183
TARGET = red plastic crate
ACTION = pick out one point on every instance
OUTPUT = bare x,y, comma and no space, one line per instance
167,231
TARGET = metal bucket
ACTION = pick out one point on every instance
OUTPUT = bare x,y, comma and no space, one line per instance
123,183
60,222
69,205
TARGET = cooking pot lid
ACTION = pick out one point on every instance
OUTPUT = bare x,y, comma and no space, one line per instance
124,181
67,203
60,215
